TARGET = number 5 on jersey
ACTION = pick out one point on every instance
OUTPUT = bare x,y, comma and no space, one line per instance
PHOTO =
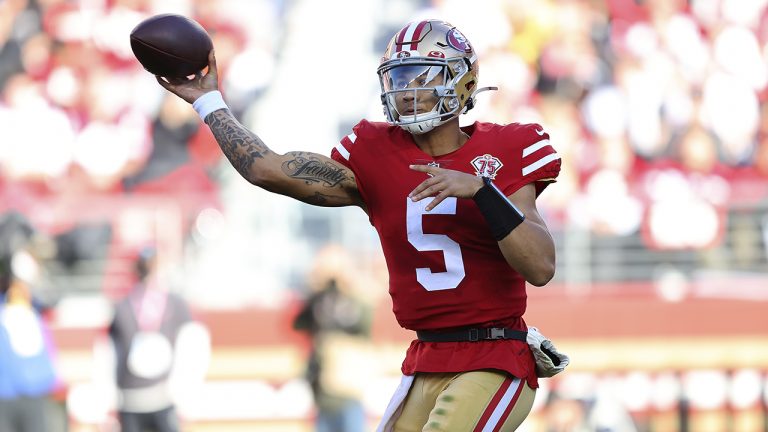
454,264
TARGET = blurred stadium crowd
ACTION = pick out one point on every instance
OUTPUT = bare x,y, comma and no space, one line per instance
659,109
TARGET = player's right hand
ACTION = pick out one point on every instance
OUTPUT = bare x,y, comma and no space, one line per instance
443,183
190,89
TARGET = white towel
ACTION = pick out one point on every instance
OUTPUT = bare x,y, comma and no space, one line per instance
395,405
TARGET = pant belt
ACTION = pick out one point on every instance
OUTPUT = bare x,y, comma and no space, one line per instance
472,335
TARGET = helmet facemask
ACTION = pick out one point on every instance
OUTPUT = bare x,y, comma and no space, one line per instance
408,83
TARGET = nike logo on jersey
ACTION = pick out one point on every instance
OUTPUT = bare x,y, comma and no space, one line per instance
540,132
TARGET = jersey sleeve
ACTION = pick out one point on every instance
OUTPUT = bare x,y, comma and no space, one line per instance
342,152
537,161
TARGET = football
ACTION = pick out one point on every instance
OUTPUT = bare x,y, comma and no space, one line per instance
171,45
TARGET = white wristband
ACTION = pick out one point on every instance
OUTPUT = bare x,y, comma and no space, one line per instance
209,103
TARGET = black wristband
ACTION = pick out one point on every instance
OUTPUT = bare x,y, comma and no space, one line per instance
502,216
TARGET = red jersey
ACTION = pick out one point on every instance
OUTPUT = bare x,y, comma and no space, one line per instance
446,271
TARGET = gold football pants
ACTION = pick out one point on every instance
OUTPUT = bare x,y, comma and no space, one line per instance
476,401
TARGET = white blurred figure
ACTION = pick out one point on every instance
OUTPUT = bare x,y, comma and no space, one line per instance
46,153
159,354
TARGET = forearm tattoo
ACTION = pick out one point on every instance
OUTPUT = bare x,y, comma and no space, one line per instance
240,146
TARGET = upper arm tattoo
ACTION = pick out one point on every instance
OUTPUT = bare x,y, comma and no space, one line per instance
311,169
333,184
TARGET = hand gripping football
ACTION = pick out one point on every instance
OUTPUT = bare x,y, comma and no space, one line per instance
171,45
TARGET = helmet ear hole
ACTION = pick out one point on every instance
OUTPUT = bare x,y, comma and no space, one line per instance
469,105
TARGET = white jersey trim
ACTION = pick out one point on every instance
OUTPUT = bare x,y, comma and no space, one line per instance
540,163
343,150
535,147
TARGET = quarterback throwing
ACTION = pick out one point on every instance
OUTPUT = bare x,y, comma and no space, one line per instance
455,210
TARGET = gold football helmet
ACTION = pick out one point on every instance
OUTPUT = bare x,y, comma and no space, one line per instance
425,61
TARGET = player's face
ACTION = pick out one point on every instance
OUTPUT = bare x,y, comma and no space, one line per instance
415,88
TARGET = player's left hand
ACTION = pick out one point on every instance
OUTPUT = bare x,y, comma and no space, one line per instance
443,183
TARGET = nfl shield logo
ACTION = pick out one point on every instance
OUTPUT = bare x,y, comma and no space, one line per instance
487,166
435,164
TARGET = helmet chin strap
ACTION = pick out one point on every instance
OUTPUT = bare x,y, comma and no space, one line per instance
421,127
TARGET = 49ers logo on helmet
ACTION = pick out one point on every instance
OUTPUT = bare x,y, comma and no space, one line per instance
437,54
457,40
487,166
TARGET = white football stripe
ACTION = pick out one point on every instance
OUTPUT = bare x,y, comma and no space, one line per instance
493,421
342,151
540,163
409,33
535,146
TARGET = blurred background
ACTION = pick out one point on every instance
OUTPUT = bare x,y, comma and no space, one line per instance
660,215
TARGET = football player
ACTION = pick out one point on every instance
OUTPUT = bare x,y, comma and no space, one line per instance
455,210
